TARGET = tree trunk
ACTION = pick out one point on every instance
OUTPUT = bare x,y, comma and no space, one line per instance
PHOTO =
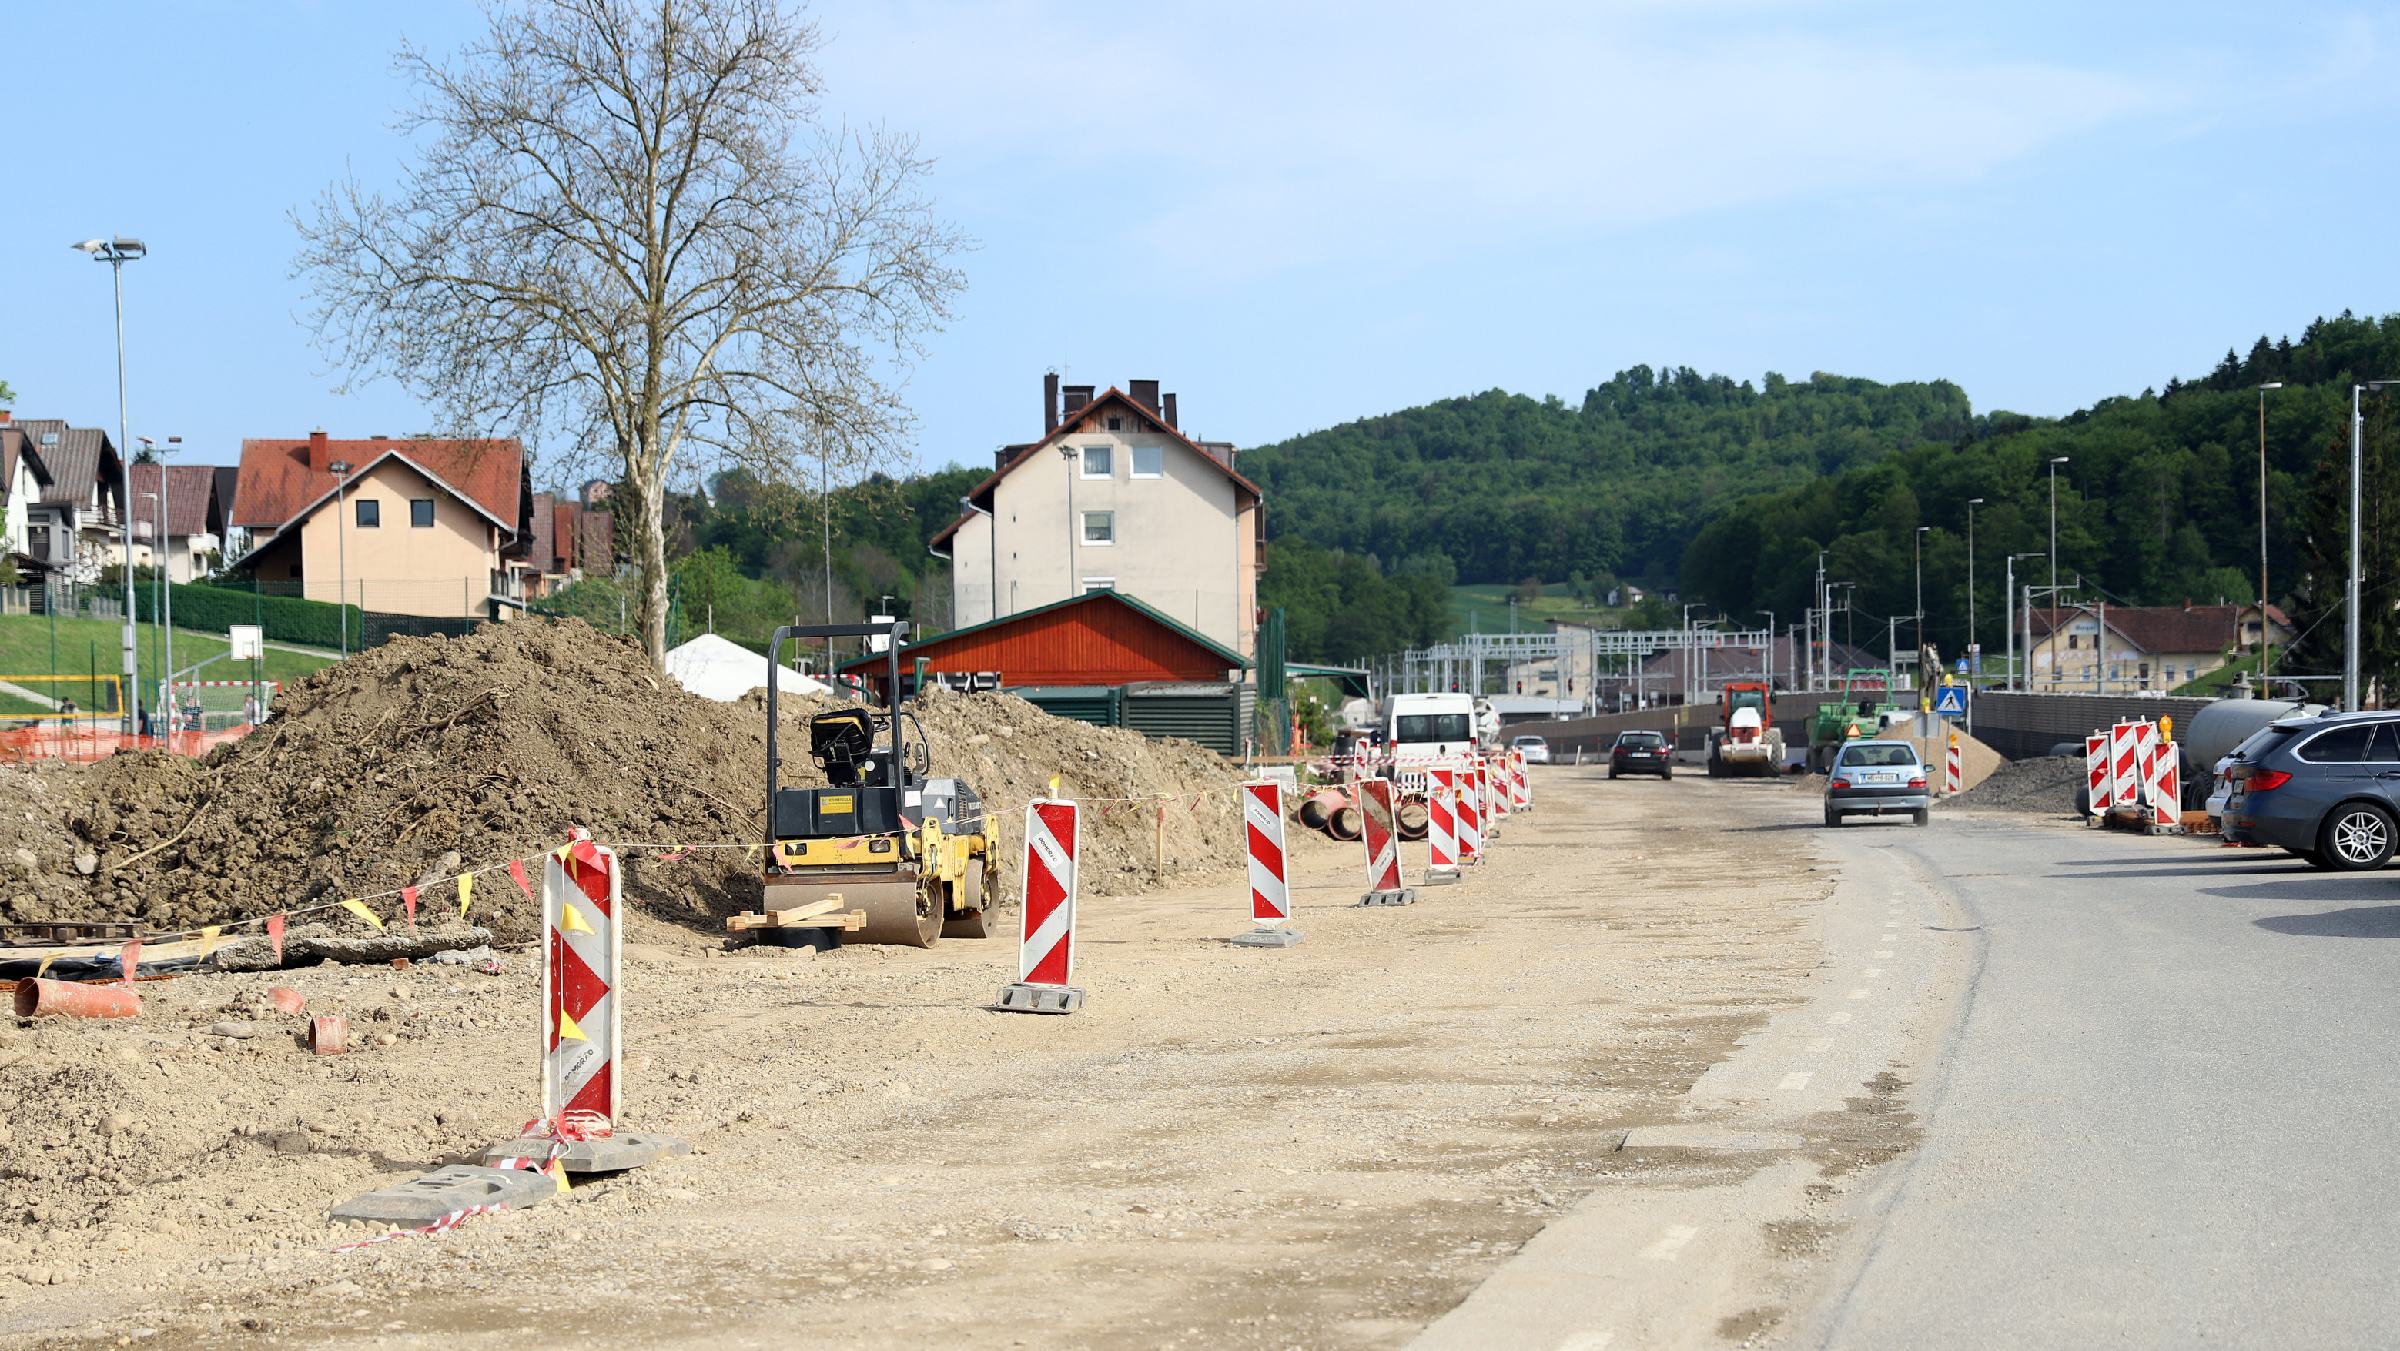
649,491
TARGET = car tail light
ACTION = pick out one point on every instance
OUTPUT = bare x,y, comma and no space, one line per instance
1917,782
1839,783
2260,780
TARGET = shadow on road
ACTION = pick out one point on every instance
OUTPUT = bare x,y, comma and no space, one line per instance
2365,921
2293,870
2324,888
2163,860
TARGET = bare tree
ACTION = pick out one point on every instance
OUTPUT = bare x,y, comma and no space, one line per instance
626,223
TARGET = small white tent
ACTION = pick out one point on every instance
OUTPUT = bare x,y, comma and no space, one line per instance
723,670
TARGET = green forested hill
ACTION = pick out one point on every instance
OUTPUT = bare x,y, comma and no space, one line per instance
1500,487
2157,504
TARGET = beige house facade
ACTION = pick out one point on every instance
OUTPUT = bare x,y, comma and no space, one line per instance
1114,497
2131,649
431,528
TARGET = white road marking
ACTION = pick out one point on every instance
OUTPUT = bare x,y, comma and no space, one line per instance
1794,1082
1671,1244
1839,1018
1820,1045
1588,1341
1859,994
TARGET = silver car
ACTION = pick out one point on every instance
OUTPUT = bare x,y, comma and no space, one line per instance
1877,778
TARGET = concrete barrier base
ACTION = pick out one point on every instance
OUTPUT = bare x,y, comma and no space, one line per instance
1022,998
1265,938
1404,896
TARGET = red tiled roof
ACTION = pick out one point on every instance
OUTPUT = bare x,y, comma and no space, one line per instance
2159,628
277,483
192,508
1069,426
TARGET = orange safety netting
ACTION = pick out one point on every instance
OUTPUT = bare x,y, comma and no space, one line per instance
91,741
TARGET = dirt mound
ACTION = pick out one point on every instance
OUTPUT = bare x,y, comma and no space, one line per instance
2046,786
416,758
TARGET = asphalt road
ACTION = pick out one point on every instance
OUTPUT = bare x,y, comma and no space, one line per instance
2168,1113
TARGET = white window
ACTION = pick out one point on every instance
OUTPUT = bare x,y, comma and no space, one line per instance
1091,584
1096,463
1099,527
1149,461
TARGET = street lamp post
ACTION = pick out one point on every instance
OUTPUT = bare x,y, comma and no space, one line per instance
2264,635
2009,601
340,469
161,540
1768,665
1921,599
117,252
2351,602
2054,464
1969,654
169,663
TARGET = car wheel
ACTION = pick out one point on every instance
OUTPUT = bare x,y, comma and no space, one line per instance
2356,837
1612,773
1666,773
2313,858
1833,819
1921,816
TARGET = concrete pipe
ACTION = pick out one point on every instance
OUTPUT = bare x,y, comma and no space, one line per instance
1346,823
1413,819
1319,806
74,999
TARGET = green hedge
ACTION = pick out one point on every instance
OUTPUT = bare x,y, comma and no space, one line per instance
286,619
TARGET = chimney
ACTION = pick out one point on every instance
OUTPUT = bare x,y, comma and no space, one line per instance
4,416
1167,410
1079,397
1049,402
1145,393
1000,458
320,457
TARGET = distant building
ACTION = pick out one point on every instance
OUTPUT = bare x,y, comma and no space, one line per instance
73,527
2123,649
195,520
569,542
1113,496
439,528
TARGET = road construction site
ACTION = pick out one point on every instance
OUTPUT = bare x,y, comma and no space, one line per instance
1674,1066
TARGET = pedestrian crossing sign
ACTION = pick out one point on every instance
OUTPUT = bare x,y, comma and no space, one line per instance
1950,701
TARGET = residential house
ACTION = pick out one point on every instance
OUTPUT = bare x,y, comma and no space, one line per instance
2121,649
1114,496
195,519
232,543
569,541
405,526
1582,672
73,527
23,477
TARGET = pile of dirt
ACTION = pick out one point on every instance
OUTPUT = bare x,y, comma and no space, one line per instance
425,755
2045,786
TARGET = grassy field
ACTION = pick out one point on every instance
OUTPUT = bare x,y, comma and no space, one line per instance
1486,604
32,647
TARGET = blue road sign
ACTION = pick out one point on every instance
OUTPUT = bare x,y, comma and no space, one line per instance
1950,701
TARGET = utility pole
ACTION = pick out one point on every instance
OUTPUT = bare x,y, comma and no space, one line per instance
1824,602
117,252
2054,464
2350,690
2265,635
1971,652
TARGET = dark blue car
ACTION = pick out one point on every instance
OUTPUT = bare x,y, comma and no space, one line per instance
2325,788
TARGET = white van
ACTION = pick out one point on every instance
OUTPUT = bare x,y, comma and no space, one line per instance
1425,727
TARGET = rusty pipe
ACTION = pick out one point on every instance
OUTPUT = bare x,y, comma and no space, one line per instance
1346,823
74,999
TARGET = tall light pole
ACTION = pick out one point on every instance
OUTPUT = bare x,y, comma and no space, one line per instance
1769,664
2358,426
2264,635
340,469
152,499
163,539
2054,464
2009,603
1921,599
1819,612
117,252
1969,654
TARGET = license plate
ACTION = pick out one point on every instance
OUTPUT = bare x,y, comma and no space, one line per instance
1883,778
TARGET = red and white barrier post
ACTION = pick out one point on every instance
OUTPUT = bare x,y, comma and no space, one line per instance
2097,777
1382,834
1441,826
1046,943
1270,884
582,1126
1520,783
1470,814
1954,766
2164,782
2125,760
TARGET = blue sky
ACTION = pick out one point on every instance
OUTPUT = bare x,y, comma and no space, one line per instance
1299,215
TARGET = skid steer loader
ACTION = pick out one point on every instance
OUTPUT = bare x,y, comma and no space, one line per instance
912,851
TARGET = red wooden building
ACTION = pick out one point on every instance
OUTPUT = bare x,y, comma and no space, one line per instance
1098,638
1103,658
